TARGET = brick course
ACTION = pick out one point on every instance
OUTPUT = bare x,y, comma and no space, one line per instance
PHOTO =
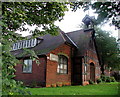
91,58
52,77
36,77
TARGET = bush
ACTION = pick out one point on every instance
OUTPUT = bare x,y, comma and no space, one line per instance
91,82
108,79
99,80
104,78
33,84
112,79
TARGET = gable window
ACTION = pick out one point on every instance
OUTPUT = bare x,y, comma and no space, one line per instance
27,67
62,64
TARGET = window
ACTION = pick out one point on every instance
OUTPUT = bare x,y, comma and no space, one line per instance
27,67
25,44
85,68
62,64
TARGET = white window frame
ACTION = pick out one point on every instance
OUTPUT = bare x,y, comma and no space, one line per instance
24,44
62,67
27,66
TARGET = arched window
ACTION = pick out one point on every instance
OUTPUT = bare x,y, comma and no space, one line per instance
62,64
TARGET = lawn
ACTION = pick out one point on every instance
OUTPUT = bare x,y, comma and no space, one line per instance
99,89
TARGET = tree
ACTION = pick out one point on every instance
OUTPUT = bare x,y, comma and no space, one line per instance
106,10
107,49
41,14
15,16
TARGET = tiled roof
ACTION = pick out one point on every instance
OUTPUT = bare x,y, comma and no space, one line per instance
48,43
79,39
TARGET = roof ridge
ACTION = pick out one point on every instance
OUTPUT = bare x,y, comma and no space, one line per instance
69,39
61,33
75,31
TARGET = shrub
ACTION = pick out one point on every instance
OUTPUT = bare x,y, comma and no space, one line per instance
91,82
104,78
33,84
108,79
99,80
112,79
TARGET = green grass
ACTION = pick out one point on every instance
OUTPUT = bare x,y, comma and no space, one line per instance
99,89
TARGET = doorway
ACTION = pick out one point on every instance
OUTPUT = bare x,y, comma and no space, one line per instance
92,71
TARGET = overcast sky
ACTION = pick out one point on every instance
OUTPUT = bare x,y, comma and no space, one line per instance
72,21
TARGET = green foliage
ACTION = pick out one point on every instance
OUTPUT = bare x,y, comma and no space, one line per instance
91,82
106,10
112,79
99,80
107,49
41,14
103,77
33,84
15,16
108,79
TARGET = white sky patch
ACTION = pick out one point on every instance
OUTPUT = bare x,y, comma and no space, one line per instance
73,20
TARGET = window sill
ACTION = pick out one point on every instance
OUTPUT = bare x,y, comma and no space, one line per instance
27,72
62,73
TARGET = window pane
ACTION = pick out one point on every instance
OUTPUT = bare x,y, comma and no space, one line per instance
15,46
30,66
20,45
65,71
61,71
61,60
62,68
28,43
65,66
23,44
58,66
25,62
65,61
35,41
27,67
58,70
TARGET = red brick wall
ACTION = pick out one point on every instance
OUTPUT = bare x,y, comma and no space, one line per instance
91,57
38,73
52,77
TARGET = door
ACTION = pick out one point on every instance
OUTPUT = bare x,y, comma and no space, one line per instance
77,71
92,72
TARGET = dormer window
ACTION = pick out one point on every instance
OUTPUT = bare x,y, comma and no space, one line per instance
25,44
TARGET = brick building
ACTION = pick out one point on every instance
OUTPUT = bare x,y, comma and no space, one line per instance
66,59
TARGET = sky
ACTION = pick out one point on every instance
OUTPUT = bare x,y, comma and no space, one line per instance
73,20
